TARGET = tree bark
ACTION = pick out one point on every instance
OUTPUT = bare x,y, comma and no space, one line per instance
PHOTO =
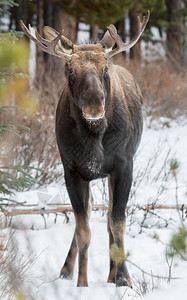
120,26
135,52
175,34
49,77
94,33
63,20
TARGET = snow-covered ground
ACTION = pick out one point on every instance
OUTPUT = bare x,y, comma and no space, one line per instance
162,141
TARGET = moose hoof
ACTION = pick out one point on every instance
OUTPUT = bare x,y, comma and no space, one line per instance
122,281
66,274
82,284
111,280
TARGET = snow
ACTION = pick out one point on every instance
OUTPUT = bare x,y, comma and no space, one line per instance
83,34
50,245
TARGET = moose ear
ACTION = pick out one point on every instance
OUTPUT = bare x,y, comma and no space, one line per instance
107,41
64,45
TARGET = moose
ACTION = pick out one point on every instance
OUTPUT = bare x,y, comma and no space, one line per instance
98,130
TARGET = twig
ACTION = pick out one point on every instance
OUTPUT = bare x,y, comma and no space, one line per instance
177,200
150,274
169,265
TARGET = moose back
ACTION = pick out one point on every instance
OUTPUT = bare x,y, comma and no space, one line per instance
98,130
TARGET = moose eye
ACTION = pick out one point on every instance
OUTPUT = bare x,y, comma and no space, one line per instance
71,72
71,77
105,72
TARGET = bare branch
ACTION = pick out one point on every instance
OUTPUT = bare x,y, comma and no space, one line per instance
14,210
150,274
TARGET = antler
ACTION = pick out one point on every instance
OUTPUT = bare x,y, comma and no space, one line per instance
43,44
121,46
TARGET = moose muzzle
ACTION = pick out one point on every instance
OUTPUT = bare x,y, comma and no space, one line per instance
93,112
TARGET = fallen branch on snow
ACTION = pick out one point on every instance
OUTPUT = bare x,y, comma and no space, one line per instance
14,210
150,274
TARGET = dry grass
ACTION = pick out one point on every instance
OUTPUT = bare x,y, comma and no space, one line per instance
164,88
38,147
15,267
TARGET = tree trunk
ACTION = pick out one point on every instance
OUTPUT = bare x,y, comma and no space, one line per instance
94,33
175,34
120,26
49,77
63,20
135,52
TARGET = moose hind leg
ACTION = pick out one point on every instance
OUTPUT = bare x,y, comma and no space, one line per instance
112,271
122,277
118,271
68,267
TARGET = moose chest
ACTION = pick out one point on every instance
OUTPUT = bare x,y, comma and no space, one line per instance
91,156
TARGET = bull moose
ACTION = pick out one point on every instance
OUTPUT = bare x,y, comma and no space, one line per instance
98,130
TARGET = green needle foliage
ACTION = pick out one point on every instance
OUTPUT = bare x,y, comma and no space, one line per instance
174,166
117,254
12,178
10,127
14,57
178,244
6,3
102,12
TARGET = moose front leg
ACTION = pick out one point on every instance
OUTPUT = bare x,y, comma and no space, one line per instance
83,236
81,199
68,267
119,188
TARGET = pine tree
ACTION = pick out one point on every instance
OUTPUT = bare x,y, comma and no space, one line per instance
13,86
102,13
